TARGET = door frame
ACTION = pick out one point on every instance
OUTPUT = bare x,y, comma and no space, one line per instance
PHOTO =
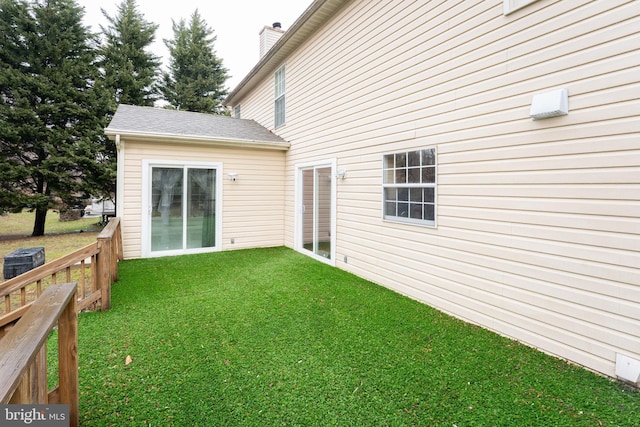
299,208
146,208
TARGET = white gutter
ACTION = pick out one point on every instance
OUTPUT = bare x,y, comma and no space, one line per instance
119,177
157,137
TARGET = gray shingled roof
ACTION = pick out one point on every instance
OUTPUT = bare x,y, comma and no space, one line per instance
130,119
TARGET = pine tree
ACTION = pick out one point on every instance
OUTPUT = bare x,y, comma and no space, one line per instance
52,109
130,71
196,77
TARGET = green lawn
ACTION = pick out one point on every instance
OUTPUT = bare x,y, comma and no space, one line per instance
20,225
270,337
61,238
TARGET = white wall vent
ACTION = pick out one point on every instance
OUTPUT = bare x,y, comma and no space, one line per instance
550,104
627,369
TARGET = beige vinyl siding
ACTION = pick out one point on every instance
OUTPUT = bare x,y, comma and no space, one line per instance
538,234
260,105
252,207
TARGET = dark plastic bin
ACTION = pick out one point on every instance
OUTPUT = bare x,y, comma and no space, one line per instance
22,260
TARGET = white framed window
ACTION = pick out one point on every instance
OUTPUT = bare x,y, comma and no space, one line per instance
280,102
409,187
511,6
237,112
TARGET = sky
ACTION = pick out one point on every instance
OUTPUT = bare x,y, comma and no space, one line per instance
236,24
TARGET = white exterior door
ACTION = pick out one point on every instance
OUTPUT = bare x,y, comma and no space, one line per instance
181,208
315,202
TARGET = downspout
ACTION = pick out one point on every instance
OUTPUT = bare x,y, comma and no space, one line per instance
119,177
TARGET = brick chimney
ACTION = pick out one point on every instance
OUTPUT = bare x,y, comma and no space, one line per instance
269,36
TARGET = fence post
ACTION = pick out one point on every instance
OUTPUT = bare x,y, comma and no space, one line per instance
115,243
40,388
68,360
114,258
103,271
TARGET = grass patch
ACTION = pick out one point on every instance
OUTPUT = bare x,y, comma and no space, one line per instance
61,238
271,337
21,224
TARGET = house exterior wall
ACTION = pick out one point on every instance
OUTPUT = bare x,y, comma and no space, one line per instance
538,225
252,206
260,105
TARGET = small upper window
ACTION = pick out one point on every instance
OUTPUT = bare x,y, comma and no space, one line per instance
409,186
513,5
280,97
236,112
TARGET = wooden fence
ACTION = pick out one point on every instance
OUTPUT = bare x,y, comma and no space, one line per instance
34,302
94,268
23,354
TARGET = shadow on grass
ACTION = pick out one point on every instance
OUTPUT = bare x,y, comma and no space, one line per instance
271,337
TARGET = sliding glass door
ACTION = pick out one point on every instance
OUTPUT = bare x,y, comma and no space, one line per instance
166,212
315,231
201,212
182,209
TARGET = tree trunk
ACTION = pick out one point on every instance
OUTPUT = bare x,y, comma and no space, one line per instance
38,225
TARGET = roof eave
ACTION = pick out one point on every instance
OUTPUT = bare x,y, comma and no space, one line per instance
157,137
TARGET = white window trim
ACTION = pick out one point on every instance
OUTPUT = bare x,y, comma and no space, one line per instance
298,244
147,165
511,6
410,221
277,97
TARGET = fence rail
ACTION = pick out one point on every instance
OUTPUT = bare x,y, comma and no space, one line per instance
94,268
23,355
